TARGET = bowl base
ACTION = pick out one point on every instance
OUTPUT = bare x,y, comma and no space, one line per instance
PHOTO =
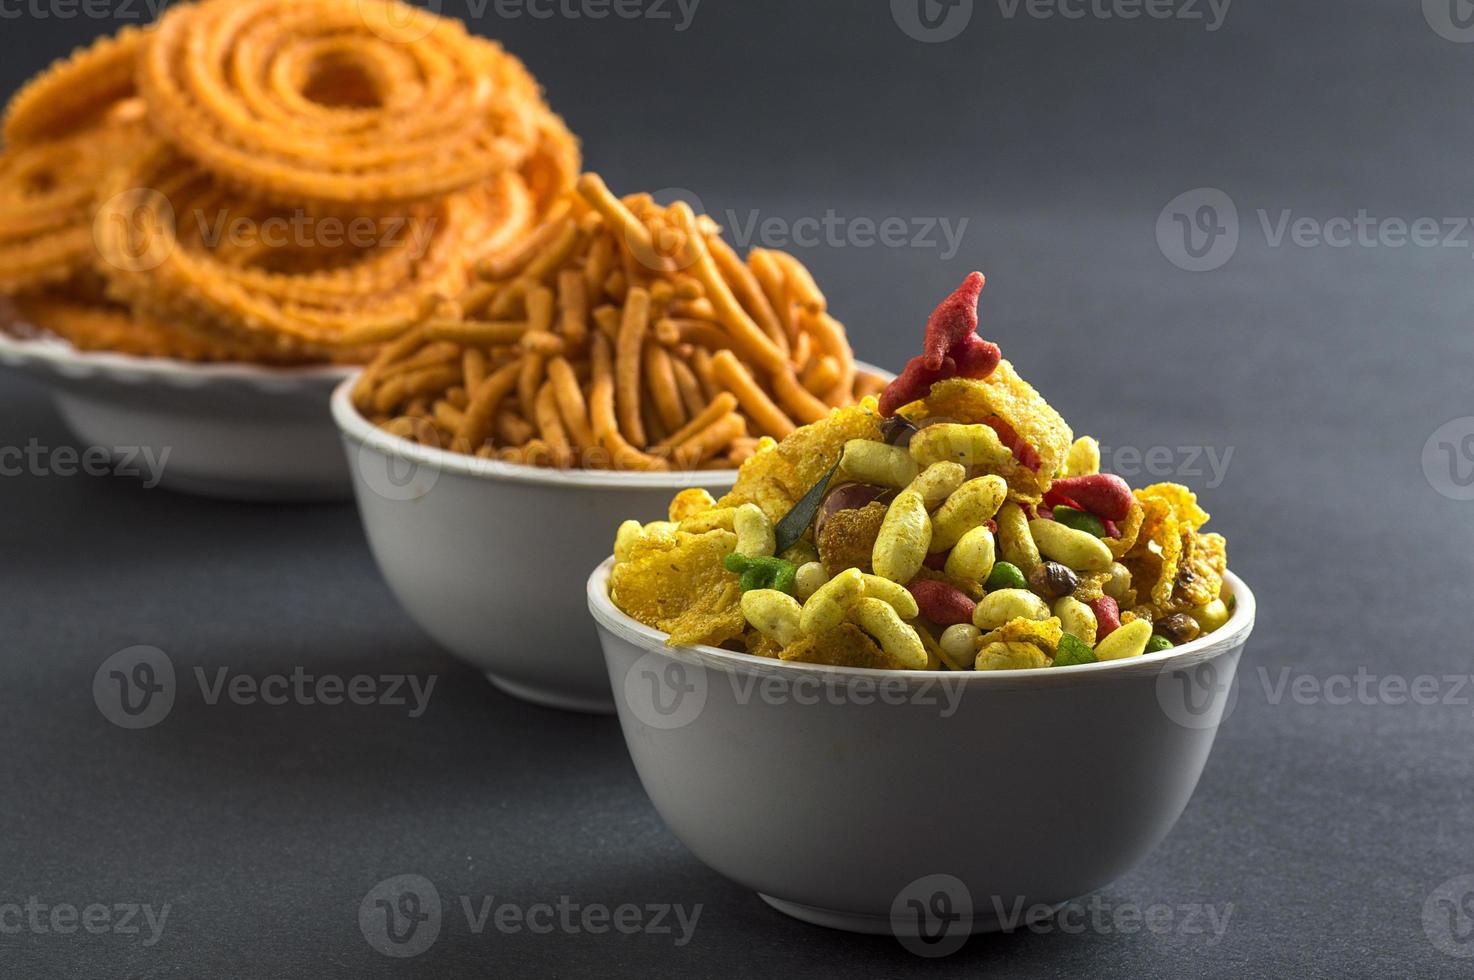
550,698
874,925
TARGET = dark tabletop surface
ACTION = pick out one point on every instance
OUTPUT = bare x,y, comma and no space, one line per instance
1332,830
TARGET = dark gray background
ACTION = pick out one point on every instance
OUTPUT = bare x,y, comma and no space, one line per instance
1325,370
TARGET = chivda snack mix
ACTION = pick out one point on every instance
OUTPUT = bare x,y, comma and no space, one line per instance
953,523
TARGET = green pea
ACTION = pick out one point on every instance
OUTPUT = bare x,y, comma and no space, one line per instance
783,578
754,578
1005,576
1079,520
736,563
762,572
1071,651
1157,643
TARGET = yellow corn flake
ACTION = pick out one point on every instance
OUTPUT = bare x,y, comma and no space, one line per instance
1153,560
1184,502
1007,396
690,503
684,591
777,478
1010,656
1129,528
1091,586
1042,633
709,520
1200,575
844,646
761,645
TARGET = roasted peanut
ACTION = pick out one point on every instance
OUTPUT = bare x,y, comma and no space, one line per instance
997,608
941,603
1076,619
1128,641
971,558
1076,549
1015,544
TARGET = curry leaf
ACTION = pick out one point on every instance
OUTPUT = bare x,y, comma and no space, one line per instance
797,520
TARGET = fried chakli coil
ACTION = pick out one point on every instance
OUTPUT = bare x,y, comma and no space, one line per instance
74,93
90,326
338,104
164,236
47,200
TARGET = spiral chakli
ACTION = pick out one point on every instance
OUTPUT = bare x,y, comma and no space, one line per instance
175,242
336,104
47,200
75,93
100,326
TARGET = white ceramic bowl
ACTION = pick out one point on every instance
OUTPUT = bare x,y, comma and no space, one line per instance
927,804
239,431
490,558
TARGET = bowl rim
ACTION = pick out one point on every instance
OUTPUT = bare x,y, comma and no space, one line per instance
57,353
1233,633
363,432
354,426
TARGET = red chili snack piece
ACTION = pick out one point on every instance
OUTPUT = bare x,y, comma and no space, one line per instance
1107,616
1013,442
913,384
951,349
941,603
1103,494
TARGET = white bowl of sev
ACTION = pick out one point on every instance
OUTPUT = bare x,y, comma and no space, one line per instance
490,557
